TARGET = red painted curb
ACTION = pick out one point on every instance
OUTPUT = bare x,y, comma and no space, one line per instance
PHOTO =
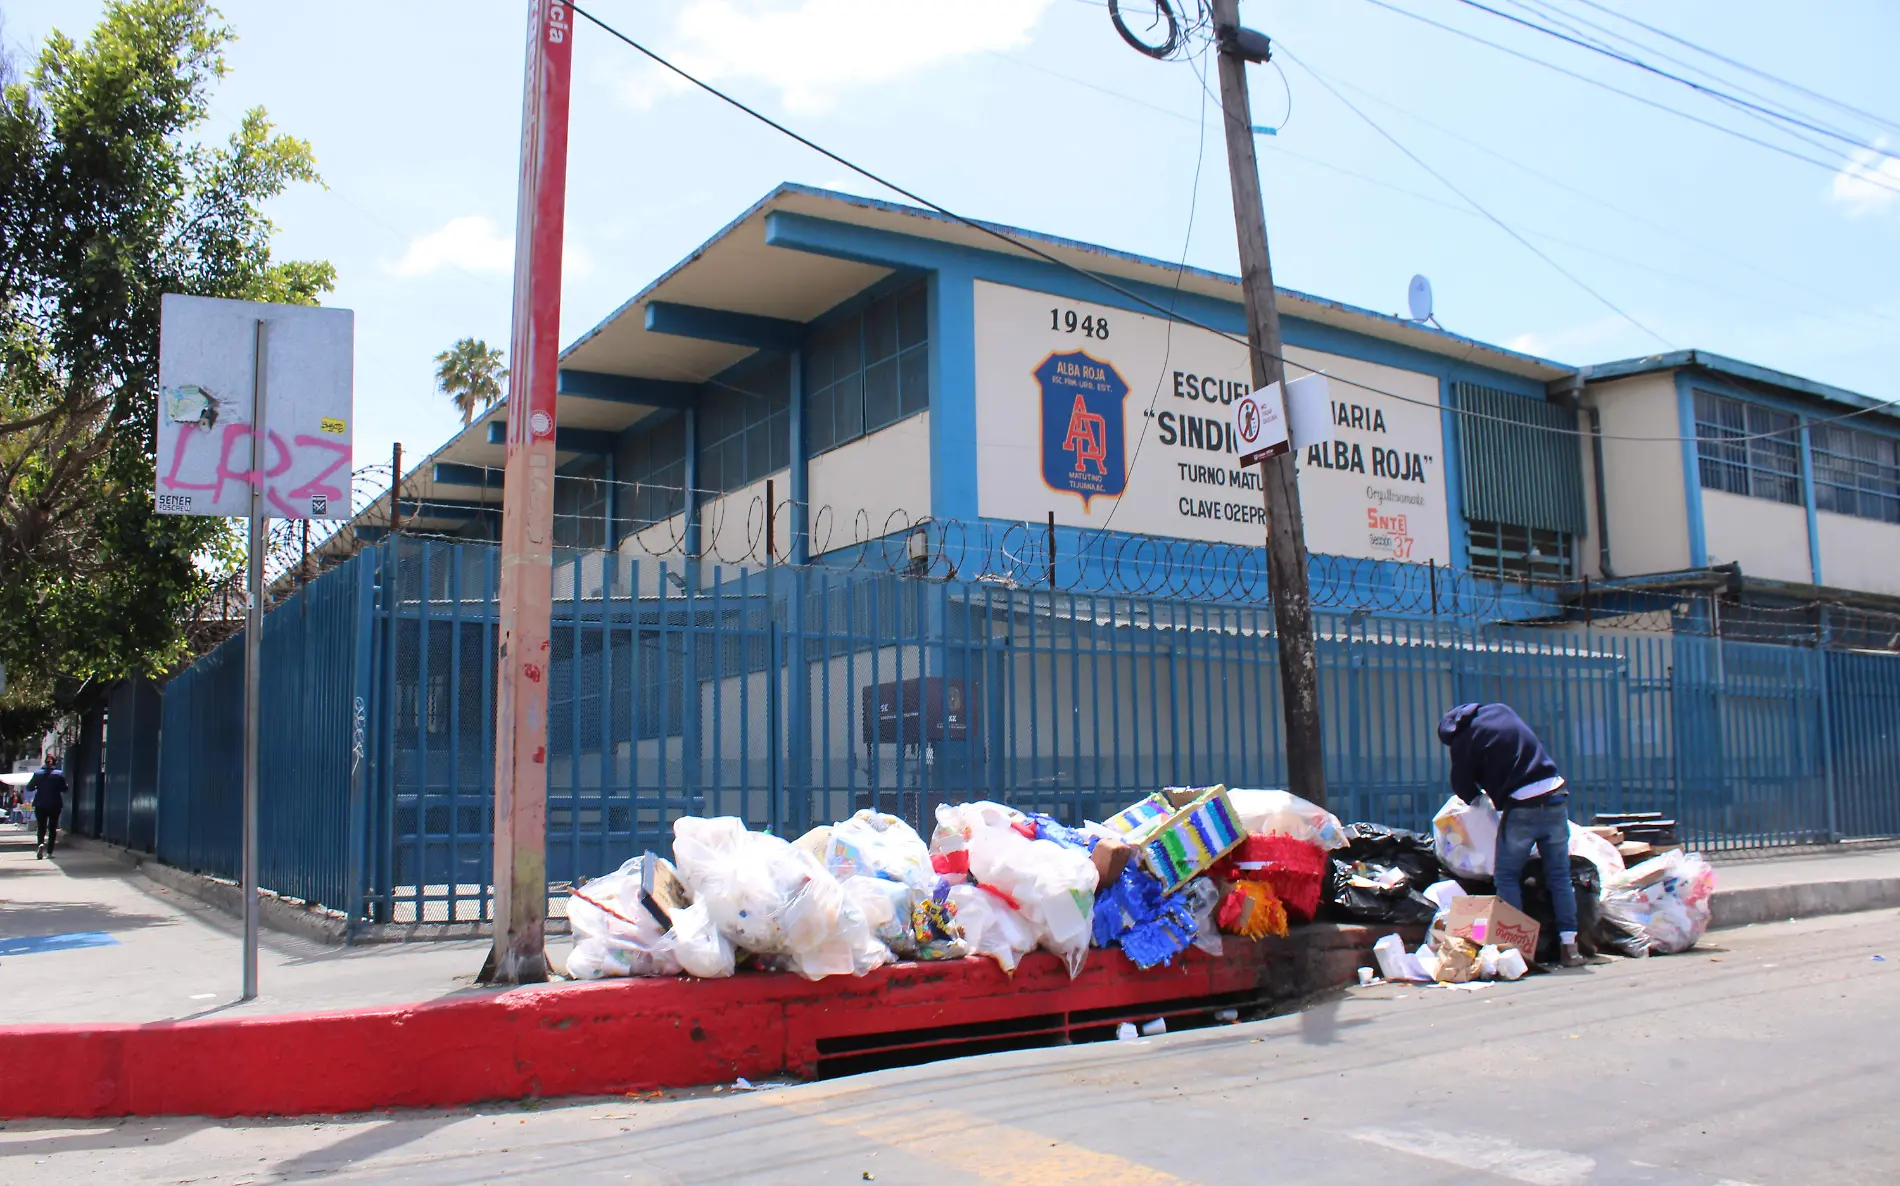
608,1036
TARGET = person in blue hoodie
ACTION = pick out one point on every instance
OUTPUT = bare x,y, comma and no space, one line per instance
1494,751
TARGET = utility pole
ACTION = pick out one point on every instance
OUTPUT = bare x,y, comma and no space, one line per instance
1286,534
519,955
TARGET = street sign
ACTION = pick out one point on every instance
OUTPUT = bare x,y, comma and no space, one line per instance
1260,424
208,372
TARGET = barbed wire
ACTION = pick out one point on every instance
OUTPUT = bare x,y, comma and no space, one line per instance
735,530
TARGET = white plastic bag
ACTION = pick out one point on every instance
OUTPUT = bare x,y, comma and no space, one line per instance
877,844
1678,901
886,906
769,897
1598,852
991,927
1282,813
614,935
1052,885
1442,893
698,945
1465,836
1203,898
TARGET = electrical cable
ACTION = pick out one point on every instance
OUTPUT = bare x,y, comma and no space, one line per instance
1659,72
1848,108
1783,150
1564,20
1180,273
1607,303
1123,290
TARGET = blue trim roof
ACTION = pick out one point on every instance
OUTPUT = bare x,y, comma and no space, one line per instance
1452,342
1747,372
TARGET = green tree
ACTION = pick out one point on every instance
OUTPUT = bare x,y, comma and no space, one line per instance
108,199
470,374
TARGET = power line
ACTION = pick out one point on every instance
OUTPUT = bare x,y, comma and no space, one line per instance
1762,74
1122,290
1830,167
1607,303
1659,72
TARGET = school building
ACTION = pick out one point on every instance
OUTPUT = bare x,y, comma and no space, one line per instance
1011,556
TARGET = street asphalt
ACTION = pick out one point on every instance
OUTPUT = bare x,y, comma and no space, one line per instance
1770,1055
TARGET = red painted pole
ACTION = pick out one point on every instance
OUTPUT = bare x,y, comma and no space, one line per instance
519,955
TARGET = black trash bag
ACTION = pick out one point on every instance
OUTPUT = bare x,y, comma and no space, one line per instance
1373,852
1587,882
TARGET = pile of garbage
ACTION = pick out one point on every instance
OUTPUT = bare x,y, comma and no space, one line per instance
1658,907
1177,869
1180,868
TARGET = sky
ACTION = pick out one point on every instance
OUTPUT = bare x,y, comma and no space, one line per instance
1645,231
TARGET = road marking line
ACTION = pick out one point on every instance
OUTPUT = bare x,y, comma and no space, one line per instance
1493,1155
973,1145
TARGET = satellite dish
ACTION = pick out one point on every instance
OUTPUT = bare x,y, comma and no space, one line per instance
1419,297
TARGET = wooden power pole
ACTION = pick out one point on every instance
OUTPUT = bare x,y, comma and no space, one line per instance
1286,534
519,955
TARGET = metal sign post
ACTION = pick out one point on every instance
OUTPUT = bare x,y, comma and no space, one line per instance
295,361
253,649
519,953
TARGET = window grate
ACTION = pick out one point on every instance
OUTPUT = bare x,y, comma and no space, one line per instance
1735,455
868,370
1510,552
1856,473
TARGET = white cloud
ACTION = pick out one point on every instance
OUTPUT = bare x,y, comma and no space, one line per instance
471,243
474,244
814,51
1870,182
1584,340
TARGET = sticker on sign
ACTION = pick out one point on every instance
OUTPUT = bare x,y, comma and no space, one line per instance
1260,424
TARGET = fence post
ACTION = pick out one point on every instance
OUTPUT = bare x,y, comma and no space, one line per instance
363,694
1827,739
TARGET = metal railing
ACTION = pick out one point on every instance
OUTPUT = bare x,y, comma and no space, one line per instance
793,696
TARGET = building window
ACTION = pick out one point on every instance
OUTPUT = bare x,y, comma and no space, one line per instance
1744,448
580,504
650,477
745,426
1507,551
1856,473
867,370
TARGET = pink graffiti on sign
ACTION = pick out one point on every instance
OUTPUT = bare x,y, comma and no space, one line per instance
307,452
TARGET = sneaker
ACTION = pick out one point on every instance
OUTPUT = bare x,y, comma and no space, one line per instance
39,854
1572,958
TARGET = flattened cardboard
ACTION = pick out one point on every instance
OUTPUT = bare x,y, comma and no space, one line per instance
661,892
1182,797
1111,857
1504,924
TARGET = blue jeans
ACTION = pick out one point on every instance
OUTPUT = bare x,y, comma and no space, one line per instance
1545,827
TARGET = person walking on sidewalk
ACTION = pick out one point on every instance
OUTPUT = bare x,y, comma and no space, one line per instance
49,799
1494,751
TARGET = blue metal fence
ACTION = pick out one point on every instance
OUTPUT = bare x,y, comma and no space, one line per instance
793,696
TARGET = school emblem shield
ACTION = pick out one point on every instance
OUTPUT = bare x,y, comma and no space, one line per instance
1083,442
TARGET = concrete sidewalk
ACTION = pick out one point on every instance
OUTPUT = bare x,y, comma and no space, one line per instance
86,938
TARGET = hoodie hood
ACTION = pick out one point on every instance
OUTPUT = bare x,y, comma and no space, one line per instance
1455,720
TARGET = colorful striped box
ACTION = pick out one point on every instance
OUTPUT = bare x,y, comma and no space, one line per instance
1192,839
1137,822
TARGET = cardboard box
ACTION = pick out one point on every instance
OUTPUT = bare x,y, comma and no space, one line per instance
1111,857
1501,924
1192,839
1137,821
1179,798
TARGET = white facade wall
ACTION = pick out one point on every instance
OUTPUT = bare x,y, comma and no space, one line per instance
1768,539
871,487
1859,553
1643,484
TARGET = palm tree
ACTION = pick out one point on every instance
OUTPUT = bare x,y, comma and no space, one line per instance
470,374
